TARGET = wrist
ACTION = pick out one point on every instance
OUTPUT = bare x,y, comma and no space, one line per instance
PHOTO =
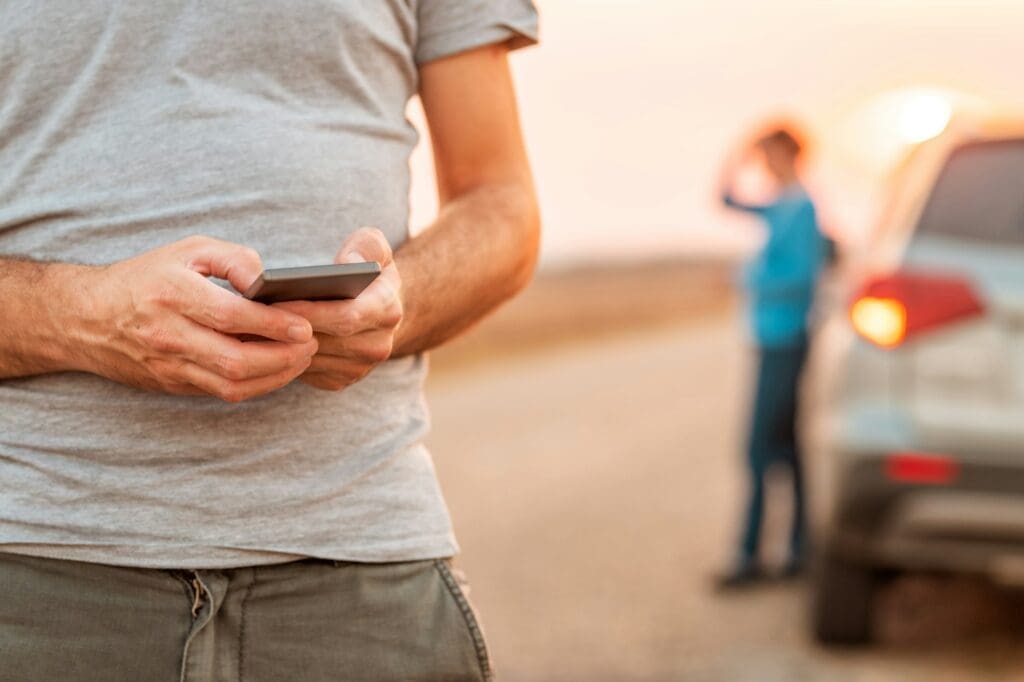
73,316
404,336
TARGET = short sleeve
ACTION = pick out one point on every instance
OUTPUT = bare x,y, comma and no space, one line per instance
447,27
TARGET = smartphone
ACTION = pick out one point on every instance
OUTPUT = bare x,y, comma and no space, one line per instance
313,283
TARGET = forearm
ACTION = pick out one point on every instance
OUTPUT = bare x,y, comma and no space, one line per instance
39,303
729,200
481,250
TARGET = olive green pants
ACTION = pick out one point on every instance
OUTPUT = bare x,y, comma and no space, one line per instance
308,620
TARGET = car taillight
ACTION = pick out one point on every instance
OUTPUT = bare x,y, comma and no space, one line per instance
889,310
883,321
921,469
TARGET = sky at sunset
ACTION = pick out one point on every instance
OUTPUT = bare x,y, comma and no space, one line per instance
628,106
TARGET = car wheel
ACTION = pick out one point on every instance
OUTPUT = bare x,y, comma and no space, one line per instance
842,604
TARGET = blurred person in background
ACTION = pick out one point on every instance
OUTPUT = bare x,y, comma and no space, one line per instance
780,284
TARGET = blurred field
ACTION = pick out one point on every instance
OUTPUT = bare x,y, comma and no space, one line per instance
590,304
590,459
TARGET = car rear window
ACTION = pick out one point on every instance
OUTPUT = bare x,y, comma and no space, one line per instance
979,194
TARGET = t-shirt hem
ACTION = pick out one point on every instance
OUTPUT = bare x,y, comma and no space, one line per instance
205,557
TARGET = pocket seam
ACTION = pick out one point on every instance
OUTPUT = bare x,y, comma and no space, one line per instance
475,632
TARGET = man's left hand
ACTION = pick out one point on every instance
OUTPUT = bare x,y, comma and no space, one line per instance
358,334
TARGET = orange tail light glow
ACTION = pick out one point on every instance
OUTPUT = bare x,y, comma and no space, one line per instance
883,321
890,310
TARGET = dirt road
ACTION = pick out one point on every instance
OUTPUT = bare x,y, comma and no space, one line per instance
594,490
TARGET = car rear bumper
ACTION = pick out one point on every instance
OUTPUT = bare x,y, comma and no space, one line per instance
974,524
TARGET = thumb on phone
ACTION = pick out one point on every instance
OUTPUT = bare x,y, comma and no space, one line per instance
364,245
239,265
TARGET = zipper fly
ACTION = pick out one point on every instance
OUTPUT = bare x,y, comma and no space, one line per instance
198,595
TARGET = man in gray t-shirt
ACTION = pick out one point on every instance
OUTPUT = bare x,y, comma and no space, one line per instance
150,148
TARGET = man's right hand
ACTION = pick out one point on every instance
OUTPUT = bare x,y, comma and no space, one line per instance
156,322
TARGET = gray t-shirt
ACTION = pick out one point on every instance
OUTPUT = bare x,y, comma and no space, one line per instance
279,125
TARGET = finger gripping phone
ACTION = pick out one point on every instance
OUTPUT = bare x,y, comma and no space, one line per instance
313,283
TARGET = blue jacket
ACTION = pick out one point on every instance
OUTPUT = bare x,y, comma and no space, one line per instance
781,279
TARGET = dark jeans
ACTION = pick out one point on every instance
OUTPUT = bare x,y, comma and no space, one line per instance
773,442
307,620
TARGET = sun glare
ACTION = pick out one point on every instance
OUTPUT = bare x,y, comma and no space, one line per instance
922,115
879,132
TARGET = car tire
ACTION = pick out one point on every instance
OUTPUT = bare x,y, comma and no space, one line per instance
842,601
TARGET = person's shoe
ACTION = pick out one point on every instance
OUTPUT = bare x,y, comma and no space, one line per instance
741,576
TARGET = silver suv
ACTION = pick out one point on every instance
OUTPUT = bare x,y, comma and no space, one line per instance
915,391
